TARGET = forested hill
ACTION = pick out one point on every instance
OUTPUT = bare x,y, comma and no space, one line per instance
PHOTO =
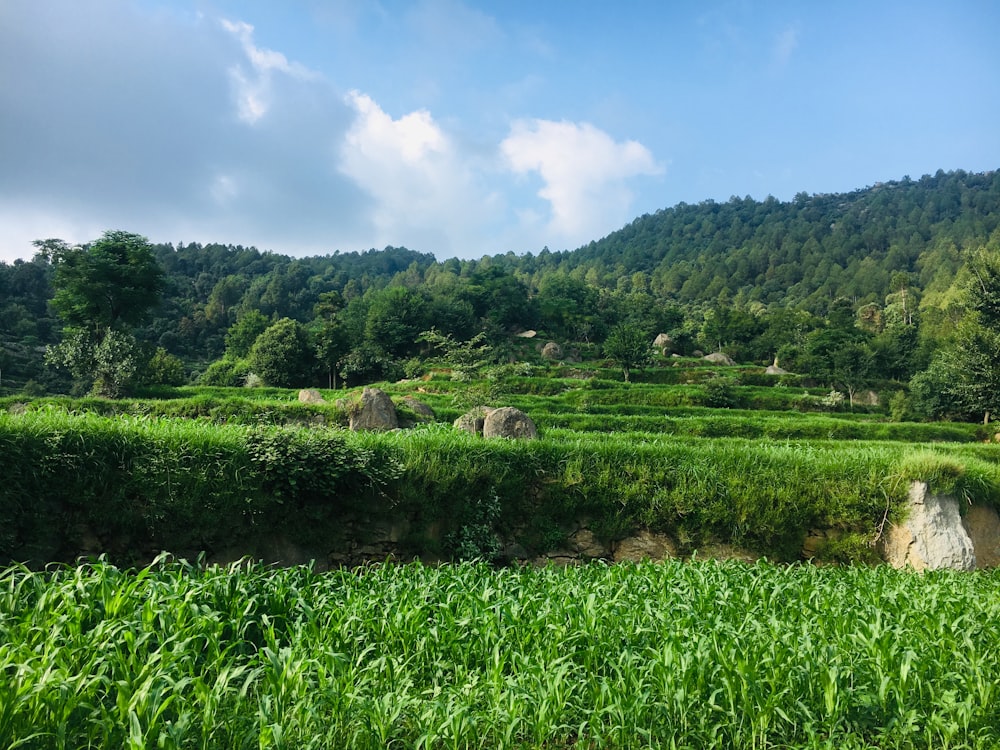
805,252
751,277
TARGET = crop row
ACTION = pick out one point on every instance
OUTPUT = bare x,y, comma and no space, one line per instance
672,655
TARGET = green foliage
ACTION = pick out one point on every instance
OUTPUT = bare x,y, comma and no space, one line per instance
163,369
313,465
225,372
110,283
180,655
108,363
369,363
476,538
721,393
243,333
281,356
629,347
466,359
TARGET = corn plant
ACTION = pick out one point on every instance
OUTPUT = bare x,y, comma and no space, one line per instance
691,655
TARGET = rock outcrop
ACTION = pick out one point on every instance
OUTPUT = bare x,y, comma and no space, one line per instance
773,369
375,412
719,358
419,408
311,396
933,536
645,545
508,422
552,350
983,525
473,420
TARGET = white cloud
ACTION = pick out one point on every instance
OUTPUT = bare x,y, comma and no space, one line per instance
424,188
584,173
254,89
181,127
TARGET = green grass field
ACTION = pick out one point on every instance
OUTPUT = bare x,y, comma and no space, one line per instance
683,655
674,655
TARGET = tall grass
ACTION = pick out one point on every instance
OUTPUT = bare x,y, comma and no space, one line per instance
146,484
651,656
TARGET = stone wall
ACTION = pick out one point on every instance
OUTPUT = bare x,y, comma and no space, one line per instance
937,532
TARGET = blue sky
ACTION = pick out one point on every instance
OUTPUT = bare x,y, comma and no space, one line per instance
468,128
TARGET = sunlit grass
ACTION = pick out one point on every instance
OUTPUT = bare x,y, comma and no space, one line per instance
630,656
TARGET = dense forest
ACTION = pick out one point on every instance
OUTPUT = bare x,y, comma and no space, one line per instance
850,289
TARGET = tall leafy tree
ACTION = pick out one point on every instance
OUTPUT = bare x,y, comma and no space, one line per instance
972,363
112,283
102,290
629,347
281,355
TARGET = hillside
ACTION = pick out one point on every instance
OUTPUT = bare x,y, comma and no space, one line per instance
753,278
806,251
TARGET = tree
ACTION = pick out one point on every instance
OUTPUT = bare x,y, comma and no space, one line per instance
840,354
629,347
465,358
112,283
972,362
101,291
330,345
243,333
163,369
281,356
112,360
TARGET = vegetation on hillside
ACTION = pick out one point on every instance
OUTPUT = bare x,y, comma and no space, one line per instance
850,289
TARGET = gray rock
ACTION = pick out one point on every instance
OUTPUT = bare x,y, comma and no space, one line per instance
311,396
774,369
932,536
867,398
719,358
508,422
586,544
375,412
473,420
421,413
645,545
662,341
552,350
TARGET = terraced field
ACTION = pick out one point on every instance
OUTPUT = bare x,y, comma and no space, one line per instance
469,655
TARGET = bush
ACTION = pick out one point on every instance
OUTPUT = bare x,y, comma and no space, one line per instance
228,373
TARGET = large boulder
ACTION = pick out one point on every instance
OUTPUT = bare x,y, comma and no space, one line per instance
774,369
932,536
473,420
311,396
662,341
419,408
375,412
509,422
552,350
719,358
983,524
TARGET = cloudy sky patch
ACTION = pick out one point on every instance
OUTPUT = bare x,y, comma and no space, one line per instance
462,128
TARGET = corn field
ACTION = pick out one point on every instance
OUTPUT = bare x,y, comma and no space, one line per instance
706,654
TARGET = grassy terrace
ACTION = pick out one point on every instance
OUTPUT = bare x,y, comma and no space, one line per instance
683,655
